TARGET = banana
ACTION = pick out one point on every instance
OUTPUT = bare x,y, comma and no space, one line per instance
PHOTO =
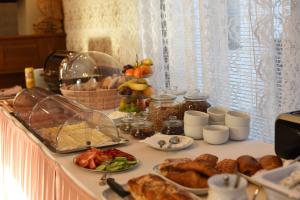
138,86
123,85
136,81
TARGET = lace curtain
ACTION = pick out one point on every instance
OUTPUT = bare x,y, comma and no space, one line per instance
102,25
243,53
168,35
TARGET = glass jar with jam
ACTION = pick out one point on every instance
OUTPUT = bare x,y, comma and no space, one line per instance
173,126
195,100
142,129
161,108
125,124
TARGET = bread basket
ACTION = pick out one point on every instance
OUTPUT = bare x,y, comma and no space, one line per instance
91,78
100,99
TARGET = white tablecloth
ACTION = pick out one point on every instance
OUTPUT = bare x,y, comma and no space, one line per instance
28,170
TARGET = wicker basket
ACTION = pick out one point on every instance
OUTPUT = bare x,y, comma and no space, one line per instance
102,99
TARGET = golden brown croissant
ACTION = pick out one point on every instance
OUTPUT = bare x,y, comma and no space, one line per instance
212,159
199,166
190,179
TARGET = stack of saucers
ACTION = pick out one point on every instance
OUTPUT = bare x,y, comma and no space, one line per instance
238,124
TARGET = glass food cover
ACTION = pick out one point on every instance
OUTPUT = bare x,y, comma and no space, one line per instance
91,78
67,126
26,100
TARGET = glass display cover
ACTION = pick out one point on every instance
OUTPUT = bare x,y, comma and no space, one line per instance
64,125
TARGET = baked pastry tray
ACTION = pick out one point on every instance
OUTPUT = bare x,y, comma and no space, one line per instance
109,194
115,141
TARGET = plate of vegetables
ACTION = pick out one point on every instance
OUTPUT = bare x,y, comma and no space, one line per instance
110,160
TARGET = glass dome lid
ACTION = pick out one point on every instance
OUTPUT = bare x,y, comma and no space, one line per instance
67,126
89,64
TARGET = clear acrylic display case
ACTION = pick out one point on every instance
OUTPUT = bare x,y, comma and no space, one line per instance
26,100
67,126
92,78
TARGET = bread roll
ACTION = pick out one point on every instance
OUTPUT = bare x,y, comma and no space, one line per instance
227,166
248,165
269,162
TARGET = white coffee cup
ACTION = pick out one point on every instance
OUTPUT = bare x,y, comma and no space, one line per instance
195,118
193,131
218,190
217,113
215,134
239,133
237,119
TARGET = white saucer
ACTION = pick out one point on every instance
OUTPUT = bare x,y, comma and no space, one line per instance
153,142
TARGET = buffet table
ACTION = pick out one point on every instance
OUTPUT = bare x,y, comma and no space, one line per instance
28,170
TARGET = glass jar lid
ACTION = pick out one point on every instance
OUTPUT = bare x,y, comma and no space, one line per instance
127,120
196,95
173,122
163,97
142,124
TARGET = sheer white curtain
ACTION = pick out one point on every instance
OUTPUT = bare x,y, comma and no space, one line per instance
168,33
243,53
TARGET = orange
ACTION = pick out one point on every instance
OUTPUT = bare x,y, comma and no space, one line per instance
146,70
137,72
129,72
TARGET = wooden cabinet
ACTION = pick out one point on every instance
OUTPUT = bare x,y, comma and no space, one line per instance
19,52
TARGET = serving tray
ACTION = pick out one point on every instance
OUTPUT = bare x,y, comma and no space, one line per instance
109,194
114,142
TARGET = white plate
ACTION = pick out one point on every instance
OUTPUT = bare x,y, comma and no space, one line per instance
198,191
153,142
105,171
108,194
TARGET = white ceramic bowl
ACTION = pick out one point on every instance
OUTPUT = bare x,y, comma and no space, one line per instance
195,132
218,189
237,119
216,123
239,133
215,134
195,118
217,113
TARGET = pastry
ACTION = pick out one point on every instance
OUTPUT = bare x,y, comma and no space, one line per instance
212,159
227,166
269,162
190,179
172,162
153,187
248,165
199,166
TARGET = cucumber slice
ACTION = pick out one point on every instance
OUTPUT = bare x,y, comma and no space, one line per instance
101,167
133,162
120,158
